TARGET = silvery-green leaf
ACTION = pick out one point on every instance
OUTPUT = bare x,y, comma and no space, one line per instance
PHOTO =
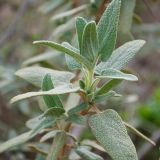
111,133
71,62
49,135
116,74
39,58
108,86
121,56
32,123
70,12
15,141
68,88
107,29
101,97
89,46
67,51
53,100
80,24
126,16
44,122
36,74
87,155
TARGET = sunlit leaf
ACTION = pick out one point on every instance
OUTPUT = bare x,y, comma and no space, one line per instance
15,141
68,88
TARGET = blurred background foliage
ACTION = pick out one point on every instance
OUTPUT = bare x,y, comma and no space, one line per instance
25,21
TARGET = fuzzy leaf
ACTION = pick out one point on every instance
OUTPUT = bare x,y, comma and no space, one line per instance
121,56
87,155
68,88
51,101
80,24
43,123
116,74
107,29
15,141
65,50
110,131
108,86
71,62
49,135
35,75
126,16
89,47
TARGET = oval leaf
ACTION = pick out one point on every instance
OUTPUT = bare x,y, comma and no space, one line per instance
116,74
89,47
51,101
121,56
80,24
35,75
107,29
110,131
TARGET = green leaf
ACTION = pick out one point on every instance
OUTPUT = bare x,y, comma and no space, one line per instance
110,131
116,74
89,47
77,109
67,88
49,135
101,97
15,141
44,122
121,56
71,62
126,16
65,50
51,101
108,86
54,112
35,75
77,119
87,155
80,24
107,29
